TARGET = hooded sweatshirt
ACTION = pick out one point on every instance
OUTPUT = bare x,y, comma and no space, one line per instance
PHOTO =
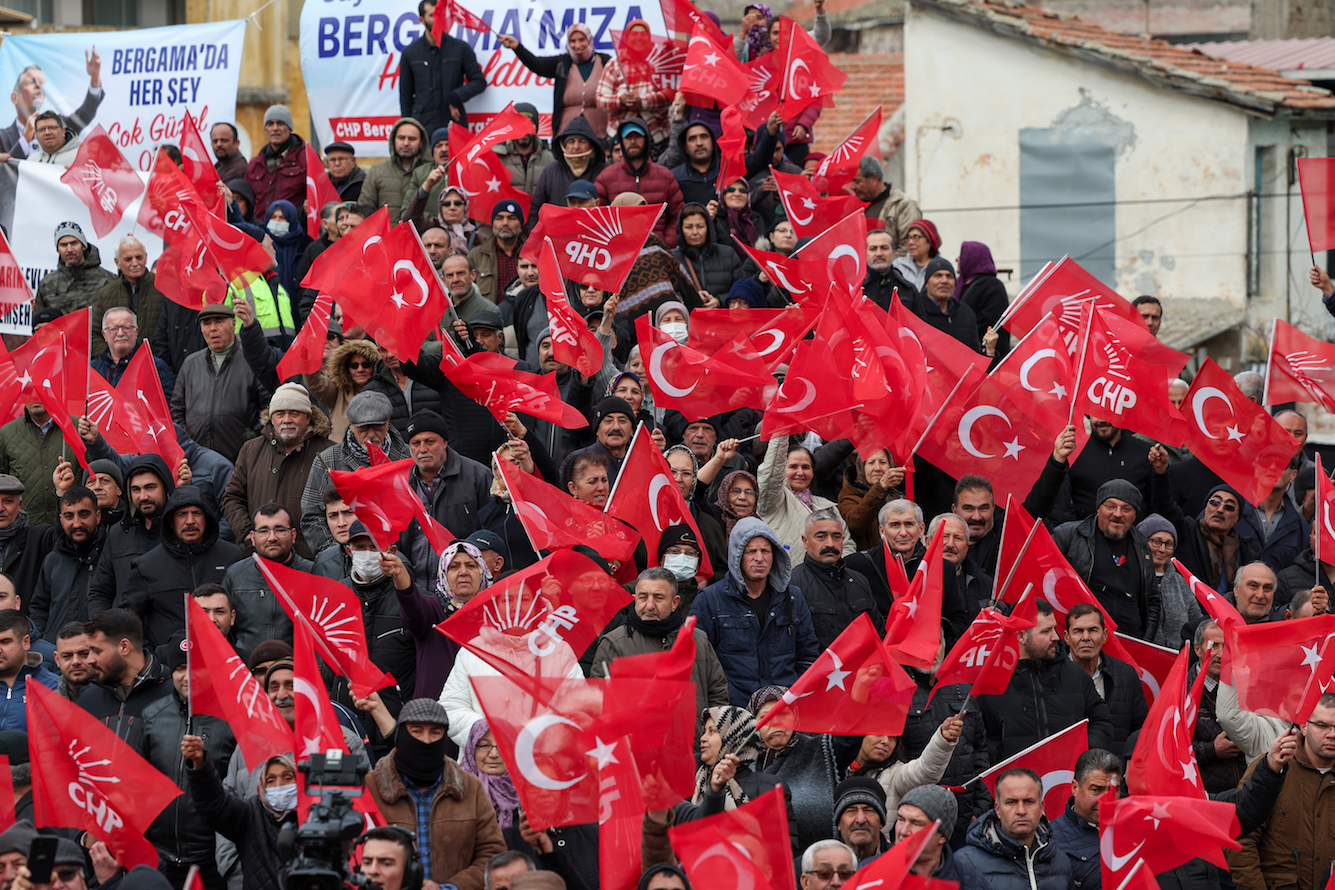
388,184
128,539
557,177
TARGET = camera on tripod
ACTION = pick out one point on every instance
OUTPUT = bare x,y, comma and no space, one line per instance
322,843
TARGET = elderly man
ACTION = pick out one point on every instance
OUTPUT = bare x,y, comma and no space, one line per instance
975,585
344,172
835,594
218,398
937,305
1116,682
460,278
389,183
133,289
1209,545
859,815
1113,557
885,202
278,171
275,465
826,864
120,331
226,143
1012,846
613,422
919,808
883,279
1221,761
497,259
78,276
1254,592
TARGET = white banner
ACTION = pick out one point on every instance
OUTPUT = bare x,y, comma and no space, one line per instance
47,202
350,58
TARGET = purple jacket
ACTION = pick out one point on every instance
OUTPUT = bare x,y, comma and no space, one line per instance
435,651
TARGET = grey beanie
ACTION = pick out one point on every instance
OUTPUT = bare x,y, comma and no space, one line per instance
369,409
291,397
111,469
424,710
1154,523
937,803
1123,491
71,229
280,113
17,838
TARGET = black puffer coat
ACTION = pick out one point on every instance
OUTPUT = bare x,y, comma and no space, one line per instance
1008,865
1045,696
836,596
712,267
61,594
127,540
970,755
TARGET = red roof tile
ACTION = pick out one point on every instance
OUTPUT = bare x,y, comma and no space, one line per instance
872,81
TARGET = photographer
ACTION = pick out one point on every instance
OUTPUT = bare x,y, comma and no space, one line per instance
387,852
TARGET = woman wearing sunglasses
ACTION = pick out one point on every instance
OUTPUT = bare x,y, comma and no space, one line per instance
346,372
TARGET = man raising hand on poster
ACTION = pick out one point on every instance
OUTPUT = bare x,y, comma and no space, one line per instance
29,97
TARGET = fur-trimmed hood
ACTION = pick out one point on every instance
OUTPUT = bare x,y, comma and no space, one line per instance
391,788
336,366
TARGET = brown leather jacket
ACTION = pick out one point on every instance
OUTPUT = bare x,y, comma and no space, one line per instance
1295,846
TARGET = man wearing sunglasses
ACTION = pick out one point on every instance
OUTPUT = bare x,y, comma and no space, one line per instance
827,864
1208,544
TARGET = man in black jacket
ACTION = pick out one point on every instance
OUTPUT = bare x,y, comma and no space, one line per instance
436,81
61,594
150,484
835,594
1116,682
178,832
975,585
259,614
189,554
128,677
1046,694
937,306
1208,543
883,279
1110,453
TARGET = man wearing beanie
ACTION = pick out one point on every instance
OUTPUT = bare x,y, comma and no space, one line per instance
78,276
1113,556
452,487
496,260
436,80
428,181
921,807
613,423
1012,846
859,815
278,171
274,466
937,306
390,182
419,787
527,156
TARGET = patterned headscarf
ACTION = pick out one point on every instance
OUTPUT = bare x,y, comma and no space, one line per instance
501,789
458,232
447,597
757,39
761,697
730,517
737,728
588,50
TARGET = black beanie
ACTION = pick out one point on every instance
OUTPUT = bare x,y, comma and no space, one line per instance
612,405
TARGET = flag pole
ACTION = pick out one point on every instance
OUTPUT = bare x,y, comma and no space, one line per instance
1031,749
817,417
1080,369
1003,541
1317,582
190,688
1024,548
935,417
629,448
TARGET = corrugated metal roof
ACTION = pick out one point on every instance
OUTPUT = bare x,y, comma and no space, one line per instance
1296,55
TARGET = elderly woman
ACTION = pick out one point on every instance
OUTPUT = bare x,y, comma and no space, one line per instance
452,216
785,497
808,765
346,372
868,484
481,756
575,76
923,243
882,758
1180,607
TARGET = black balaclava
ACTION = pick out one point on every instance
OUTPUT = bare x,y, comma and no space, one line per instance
420,763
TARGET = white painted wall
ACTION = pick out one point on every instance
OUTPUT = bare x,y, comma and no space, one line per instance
969,93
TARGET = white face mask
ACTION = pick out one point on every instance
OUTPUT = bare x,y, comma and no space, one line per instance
674,329
366,565
681,565
282,797
278,227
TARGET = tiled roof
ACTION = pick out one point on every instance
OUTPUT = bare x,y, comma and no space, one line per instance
1292,57
872,81
842,11
1190,321
1259,90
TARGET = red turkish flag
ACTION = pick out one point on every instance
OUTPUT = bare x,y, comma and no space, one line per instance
103,179
492,381
795,409
598,245
169,192
1163,832
1164,760
573,343
315,729
808,73
187,274
912,638
117,419
222,686
1325,503
503,126
774,333
539,621
1281,668
890,871
332,614
448,14
554,519
784,271
696,384
11,391
231,251
938,359
141,387
68,336
1054,760
319,191
1299,368
1037,373
621,811
853,688
7,800
683,17
1234,436
306,354
839,167
1314,180
988,652
354,258
650,59
713,72
402,300
731,148
807,210
836,256
1224,613
1061,289
48,379
1152,662
674,664
745,847
85,776
486,182
197,165
647,498
383,498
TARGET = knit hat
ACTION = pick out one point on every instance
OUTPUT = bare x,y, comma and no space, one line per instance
1222,486
280,113
17,838
45,315
369,409
290,397
442,134
216,310
670,304
70,229
936,802
813,156
612,405
427,422
749,290
529,111
269,650
424,710
68,853
1123,491
937,264
14,745
537,880
110,468
674,535
282,664
509,205
172,653
927,227
11,484
859,790
1154,523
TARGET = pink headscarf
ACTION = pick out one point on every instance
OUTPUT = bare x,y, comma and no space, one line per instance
583,57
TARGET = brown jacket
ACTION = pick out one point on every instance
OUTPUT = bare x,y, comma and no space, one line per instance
859,504
266,472
1303,820
464,831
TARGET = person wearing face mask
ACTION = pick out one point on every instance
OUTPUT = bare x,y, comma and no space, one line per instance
287,232
418,780
673,319
652,624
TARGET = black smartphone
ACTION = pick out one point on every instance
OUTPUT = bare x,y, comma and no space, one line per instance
42,858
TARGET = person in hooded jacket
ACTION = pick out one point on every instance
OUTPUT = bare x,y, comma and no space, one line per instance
287,233
61,593
389,183
636,172
579,155
713,267
1012,846
78,275
693,155
189,554
346,372
148,487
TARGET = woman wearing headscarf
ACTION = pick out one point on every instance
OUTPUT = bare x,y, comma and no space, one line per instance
734,216
923,243
451,215
627,87
481,757
460,579
978,287
575,76
737,497
752,40
287,233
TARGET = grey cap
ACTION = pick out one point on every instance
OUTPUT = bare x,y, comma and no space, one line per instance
487,318
1154,523
1123,491
369,409
109,468
424,710
11,484
17,838
937,803
71,229
68,853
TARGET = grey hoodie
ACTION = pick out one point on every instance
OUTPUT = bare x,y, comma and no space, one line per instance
742,534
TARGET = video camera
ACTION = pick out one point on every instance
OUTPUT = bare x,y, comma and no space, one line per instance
321,845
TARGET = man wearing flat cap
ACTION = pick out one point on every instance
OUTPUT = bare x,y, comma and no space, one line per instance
217,398
23,544
274,466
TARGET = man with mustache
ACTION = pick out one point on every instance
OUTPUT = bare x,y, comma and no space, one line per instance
836,594
613,422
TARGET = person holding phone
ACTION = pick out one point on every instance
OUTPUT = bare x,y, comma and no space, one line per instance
58,863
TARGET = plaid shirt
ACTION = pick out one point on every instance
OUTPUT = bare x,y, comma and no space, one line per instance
423,797
143,676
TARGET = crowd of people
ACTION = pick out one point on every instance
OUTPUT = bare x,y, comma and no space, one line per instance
798,530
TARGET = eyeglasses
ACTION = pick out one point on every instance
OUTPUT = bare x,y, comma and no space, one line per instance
1321,728
451,203
276,532
677,550
1225,506
1165,545
119,328
331,337
742,492
68,873
355,365
827,874
736,189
